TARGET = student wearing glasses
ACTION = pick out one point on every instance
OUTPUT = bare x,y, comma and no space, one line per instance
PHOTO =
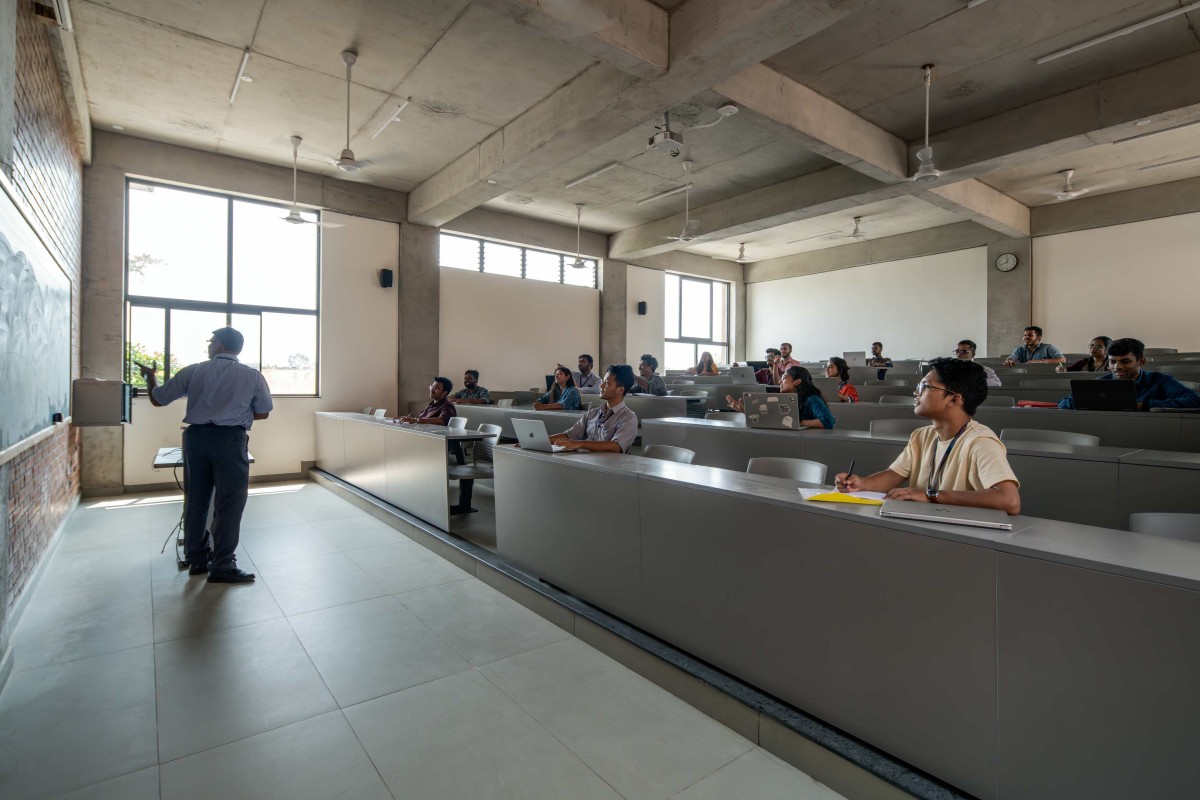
1095,361
966,352
1126,358
955,460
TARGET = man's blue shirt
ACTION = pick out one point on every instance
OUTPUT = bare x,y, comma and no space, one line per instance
1155,390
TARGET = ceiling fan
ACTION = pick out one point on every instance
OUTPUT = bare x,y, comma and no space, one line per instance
347,162
857,234
294,216
741,259
927,172
578,263
691,227
1069,191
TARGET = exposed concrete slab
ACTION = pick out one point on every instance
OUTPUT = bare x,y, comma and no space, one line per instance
690,264
1150,202
419,290
489,224
70,71
981,203
1009,295
630,35
614,310
231,22
818,123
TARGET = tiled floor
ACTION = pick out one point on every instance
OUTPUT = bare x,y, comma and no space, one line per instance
360,665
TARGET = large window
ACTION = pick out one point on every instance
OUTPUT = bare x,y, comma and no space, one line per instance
196,261
479,255
697,321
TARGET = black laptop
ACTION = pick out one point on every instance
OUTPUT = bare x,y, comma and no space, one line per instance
1102,395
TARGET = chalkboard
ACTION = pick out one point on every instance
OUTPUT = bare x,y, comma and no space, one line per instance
35,330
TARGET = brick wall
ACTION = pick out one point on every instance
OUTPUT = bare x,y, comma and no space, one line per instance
39,485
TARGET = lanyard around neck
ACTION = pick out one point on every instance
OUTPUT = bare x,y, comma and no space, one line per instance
935,475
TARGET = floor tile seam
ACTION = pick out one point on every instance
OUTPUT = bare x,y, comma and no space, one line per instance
738,757
531,650
39,596
367,752
548,731
425,682
19,670
217,630
219,745
313,663
440,637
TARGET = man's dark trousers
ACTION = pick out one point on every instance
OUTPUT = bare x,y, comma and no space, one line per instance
214,457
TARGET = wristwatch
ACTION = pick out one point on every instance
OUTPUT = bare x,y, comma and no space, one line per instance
932,494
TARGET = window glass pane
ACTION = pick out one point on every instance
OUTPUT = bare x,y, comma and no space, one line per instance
679,356
541,266
672,307
146,342
289,353
190,332
501,259
274,262
720,354
457,252
697,309
585,276
720,311
177,244
250,326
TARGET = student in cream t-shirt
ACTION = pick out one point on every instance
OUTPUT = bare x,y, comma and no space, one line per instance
955,460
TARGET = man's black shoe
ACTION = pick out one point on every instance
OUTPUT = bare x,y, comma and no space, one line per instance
232,575
198,569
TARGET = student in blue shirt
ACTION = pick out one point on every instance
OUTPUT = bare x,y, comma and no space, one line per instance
1035,351
814,413
1126,357
563,396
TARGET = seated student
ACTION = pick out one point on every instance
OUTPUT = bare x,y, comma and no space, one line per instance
1126,357
563,396
472,393
838,368
955,460
766,375
586,381
608,428
645,381
1095,361
706,366
784,362
966,352
440,410
1035,351
814,413
878,359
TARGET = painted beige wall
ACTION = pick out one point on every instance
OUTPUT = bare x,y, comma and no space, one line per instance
1140,279
512,330
358,358
644,334
917,307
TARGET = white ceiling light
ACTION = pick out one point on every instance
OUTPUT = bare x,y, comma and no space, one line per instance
578,263
927,172
1157,132
237,82
347,162
974,3
393,117
1165,164
661,195
590,175
1137,26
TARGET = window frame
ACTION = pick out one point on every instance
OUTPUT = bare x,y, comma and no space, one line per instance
228,307
525,250
698,342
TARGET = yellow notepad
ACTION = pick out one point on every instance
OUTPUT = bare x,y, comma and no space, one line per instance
854,498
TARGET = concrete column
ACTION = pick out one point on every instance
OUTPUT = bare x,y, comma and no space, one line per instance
738,323
8,83
419,285
1009,296
614,311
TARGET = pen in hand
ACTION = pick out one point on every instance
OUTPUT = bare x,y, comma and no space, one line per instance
844,484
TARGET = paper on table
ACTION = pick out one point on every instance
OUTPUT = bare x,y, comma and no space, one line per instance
855,498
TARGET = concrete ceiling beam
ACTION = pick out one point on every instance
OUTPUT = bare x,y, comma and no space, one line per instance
631,35
976,201
710,40
818,124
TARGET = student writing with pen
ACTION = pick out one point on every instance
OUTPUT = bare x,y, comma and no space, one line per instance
955,460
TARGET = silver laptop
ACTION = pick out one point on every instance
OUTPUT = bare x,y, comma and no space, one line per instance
771,411
741,375
855,358
531,434
521,398
954,515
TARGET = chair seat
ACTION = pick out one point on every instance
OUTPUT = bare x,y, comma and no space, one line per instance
478,472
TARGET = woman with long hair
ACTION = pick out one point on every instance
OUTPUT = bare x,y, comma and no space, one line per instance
563,396
838,368
814,413
706,366
1095,361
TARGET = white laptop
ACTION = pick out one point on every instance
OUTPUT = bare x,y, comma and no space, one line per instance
855,358
531,435
954,515
771,411
741,375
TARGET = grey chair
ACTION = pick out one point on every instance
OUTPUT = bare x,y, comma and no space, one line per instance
692,393
686,383
886,381
727,416
1173,526
665,452
1006,400
896,399
457,424
505,403
901,426
1054,437
797,469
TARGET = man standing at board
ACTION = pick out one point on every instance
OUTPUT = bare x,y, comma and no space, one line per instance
224,399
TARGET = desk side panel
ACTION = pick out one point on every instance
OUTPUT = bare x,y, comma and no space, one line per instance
1097,684
727,448
364,456
1071,490
331,444
887,635
1147,488
416,478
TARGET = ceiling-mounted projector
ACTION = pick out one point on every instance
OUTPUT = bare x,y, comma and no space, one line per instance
667,141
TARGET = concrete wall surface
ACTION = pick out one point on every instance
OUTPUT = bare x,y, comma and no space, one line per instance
644,334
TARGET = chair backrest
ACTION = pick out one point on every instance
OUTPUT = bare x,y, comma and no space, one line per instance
665,452
493,431
904,426
896,399
457,423
727,416
1174,526
798,469
368,410
482,450
886,381
505,403
380,413
1006,400
692,393
680,380
1056,437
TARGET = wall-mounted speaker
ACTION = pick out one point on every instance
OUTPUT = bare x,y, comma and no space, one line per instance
641,308
385,278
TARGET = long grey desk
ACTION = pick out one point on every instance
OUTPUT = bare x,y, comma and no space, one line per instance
404,465
1053,661
1072,483
558,421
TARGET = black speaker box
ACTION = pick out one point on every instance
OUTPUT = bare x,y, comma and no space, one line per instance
385,278
641,308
